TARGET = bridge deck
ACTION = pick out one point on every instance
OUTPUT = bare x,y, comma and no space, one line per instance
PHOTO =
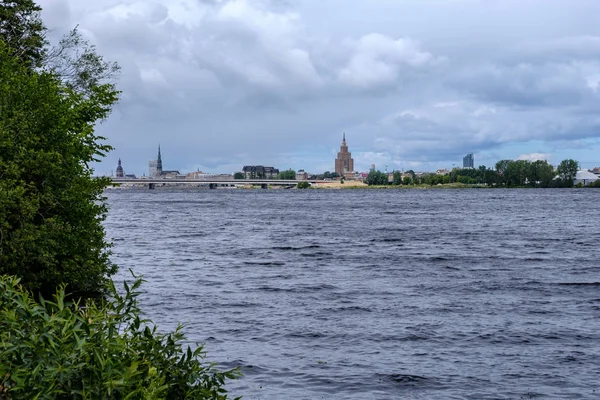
216,181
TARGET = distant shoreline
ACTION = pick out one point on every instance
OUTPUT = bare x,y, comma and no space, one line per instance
335,185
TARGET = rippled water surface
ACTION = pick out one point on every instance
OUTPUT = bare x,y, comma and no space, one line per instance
375,294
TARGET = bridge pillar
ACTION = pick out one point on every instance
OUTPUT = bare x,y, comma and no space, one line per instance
212,185
264,186
151,186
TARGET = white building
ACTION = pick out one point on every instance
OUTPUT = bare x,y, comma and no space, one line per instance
585,177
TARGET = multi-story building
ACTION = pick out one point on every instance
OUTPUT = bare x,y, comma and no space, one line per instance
344,162
259,172
468,161
301,175
155,166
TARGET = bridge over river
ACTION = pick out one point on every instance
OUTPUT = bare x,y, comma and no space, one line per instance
211,183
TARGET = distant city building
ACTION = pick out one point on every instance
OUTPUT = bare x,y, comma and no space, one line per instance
155,168
202,176
120,173
301,175
152,170
259,172
468,161
442,171
344,162
195,175
585,177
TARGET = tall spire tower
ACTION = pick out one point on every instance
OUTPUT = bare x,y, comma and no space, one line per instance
344,161
159,162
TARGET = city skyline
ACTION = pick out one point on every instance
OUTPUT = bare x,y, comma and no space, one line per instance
344,164
417,84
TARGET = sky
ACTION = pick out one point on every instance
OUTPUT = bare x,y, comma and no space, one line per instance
414,84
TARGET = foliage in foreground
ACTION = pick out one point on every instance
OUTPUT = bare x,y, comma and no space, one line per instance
51,208
60,350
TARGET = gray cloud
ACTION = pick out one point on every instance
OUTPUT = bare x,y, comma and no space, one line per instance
223,83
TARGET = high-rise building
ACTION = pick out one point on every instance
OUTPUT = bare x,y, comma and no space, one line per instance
344,161
152,169
468,161
120,173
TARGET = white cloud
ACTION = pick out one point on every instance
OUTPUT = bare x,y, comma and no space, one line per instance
379,60
534,156
152,76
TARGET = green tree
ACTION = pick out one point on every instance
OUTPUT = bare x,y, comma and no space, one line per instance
238,175
303,185
290,174
541,173
491,177
502,165
397,178
406,180
51,208
75,61
22,31
567,170
376,178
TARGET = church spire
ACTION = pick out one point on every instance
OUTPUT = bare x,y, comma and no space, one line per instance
159,162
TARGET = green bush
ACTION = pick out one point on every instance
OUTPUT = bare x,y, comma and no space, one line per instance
303,185
51,208
103,350
376,178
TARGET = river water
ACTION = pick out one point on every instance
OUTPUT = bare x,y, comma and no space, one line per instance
375,294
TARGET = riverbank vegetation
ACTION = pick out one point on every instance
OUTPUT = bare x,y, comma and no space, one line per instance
507,173
52,239
57,349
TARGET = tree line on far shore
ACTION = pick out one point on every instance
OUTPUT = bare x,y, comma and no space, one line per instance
507,173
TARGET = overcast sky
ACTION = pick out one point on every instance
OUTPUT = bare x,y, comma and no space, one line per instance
415,84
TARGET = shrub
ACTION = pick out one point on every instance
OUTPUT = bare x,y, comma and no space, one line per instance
376,178
60,350
51,208
303,185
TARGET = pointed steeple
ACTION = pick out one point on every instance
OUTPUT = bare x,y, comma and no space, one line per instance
344,140
159,162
